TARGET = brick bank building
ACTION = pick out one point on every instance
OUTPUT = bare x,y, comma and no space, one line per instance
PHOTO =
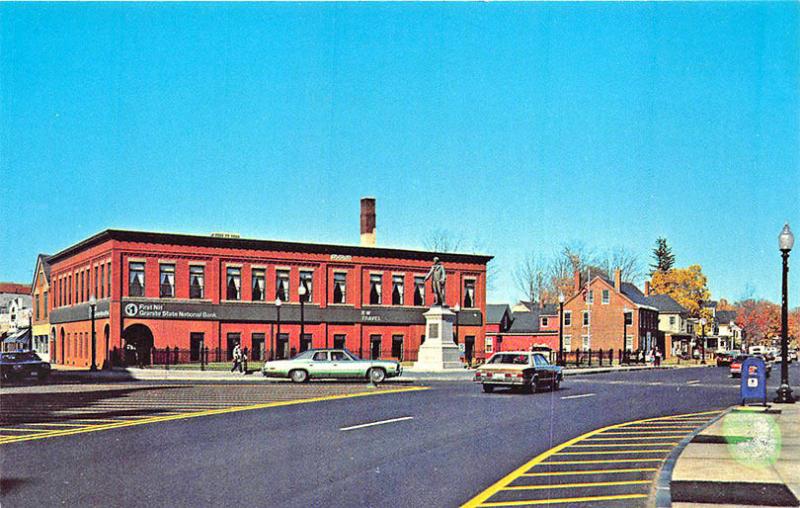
157,290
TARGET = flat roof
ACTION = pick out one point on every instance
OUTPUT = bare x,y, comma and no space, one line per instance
265,245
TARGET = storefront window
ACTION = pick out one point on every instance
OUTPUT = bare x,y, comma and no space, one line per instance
282,285
375,289
397,290
197,281
339,287
259,281
167,281
233,283
136,279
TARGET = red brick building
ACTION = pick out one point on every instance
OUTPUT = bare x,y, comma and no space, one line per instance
186,291
602,312
507,330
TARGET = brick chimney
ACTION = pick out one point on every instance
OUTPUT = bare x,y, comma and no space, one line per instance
577,281
647,288
618,280
368,222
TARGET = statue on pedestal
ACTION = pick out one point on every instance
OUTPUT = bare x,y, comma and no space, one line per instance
438,277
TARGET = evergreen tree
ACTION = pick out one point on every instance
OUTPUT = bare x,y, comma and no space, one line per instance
664,259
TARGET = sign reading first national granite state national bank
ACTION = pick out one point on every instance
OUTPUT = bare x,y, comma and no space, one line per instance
166,311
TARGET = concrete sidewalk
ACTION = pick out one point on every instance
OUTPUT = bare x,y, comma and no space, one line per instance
409,374
748,457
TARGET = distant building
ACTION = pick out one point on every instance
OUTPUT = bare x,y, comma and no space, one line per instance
521,327
15,315
40,307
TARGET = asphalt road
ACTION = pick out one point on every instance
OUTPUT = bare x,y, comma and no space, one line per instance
445,445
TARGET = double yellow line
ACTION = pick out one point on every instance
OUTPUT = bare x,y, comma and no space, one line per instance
155,419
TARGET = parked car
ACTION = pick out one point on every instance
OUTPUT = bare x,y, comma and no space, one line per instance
331,363
23,364
736,365
518,369
790,357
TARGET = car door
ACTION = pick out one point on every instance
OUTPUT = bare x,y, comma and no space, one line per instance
342,365
543,368
319,365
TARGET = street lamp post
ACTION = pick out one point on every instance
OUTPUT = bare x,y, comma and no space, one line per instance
302,291
703,341
786,242
275,338
560,329
92,306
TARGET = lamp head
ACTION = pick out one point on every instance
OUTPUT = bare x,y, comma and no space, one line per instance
302,291
92,301
560,297
278,302
786,239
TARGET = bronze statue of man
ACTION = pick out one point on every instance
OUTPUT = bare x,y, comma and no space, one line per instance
438,277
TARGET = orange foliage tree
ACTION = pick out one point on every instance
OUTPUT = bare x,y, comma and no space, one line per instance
687,286
759,319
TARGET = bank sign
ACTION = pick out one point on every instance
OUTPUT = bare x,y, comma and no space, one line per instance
166,311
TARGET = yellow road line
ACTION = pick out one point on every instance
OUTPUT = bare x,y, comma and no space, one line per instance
571,485
613,452
562,500
162,418
594,471
673,436
611,445
539,459
23,430
60,424
608,461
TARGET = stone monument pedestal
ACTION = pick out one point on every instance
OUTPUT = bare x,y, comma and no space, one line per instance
438,352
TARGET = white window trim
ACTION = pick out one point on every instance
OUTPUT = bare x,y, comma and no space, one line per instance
603,299
567,313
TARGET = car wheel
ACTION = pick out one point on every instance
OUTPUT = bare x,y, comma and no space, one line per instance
42,375
534,387
556,384
376,375
298,376
488,388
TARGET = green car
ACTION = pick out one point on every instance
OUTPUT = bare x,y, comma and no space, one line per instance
332,364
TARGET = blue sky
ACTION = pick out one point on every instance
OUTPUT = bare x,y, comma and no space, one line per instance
518,127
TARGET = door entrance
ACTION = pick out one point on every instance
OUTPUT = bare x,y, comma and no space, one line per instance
375,346
138,344
233,339
469,347
258,346
305,342
338,341
282,346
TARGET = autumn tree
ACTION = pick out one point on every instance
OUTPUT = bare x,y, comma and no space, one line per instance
687,286
760,320
662,254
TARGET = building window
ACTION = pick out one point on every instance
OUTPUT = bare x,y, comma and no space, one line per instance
80,297
305,342
233,283
45,303
469,293
590,296
166,286
307,281
545,321
259,282
195,346
36,316
629,318
375,288
397,347
338,341
419,291
339,287
672,321
257,350
69,288
108,280
282,285
489,345
586,318
136,279
96,281
567,343
629,342
397,289
606,296
567,318
102,281
587,342
197,281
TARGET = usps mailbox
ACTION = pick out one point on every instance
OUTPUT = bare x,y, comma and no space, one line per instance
754,380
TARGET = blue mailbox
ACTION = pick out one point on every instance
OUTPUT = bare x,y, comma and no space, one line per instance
754,380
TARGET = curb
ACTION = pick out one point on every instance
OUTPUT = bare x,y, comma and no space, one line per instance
663,492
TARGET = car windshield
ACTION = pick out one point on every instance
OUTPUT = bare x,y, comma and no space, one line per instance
508,358
20,357
352,356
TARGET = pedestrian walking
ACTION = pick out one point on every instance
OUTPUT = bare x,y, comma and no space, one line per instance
243,364
237,358
657,355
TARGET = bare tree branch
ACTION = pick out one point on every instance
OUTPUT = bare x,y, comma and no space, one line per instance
443,240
